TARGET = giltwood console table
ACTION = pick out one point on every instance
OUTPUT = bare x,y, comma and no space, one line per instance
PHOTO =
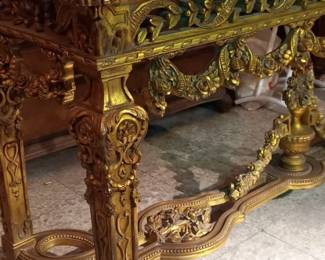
50,48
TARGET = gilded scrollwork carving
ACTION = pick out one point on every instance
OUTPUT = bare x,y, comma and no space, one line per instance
316,120
10,102
303,85
167,79
319,49
125,130
298,97
170,18
15,211
58,82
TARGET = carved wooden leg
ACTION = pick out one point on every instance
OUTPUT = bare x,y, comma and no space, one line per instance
16,217
108,135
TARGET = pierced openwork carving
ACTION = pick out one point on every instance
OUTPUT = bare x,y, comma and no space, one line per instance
176,225
205,14
108,27
16,85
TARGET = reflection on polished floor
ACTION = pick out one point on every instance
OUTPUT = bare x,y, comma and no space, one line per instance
196,150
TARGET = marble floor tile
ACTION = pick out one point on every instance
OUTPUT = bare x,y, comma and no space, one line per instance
297,219
63,167
156,186
71,213
55,203
239,234
199,154
262,247
55,206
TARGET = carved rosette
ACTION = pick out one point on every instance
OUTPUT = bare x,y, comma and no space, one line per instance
109,151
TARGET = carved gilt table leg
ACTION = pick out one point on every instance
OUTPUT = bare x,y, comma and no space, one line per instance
15,210
16,84
109,129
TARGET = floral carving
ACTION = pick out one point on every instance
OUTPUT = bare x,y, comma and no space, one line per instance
178,225
122,138
235,57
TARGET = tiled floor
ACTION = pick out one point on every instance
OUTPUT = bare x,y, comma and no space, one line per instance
184,155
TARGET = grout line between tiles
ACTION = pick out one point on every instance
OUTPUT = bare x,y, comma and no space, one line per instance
293,246
232,248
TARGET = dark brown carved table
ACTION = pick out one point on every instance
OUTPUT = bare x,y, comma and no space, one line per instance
50,49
